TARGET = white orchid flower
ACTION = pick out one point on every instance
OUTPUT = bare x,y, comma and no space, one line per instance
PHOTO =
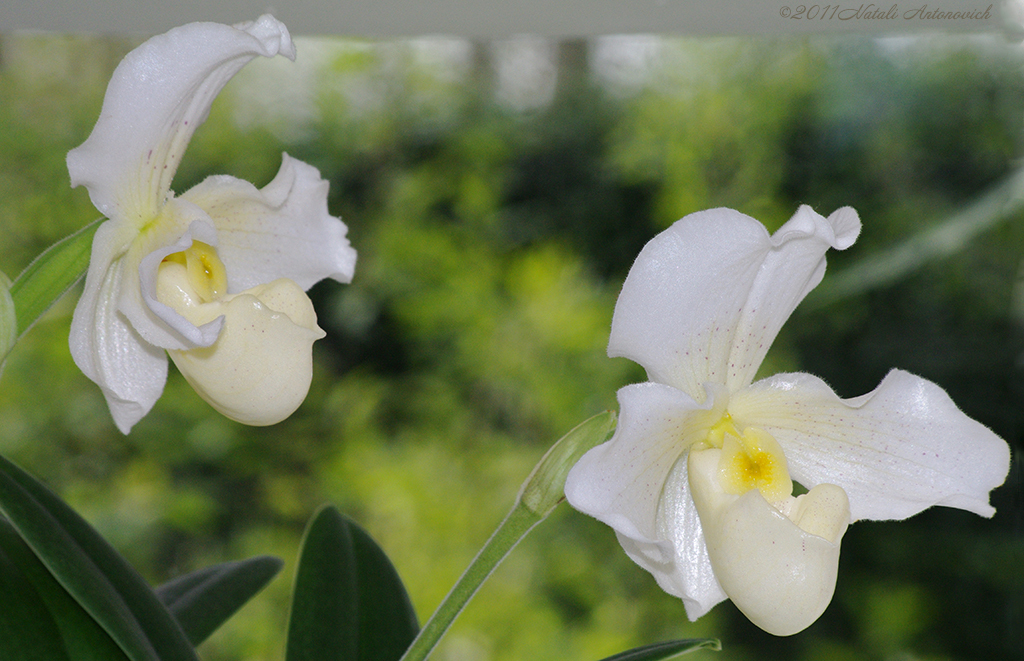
216,276
697,481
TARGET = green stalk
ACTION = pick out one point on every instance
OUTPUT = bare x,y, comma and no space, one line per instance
542,491
517,524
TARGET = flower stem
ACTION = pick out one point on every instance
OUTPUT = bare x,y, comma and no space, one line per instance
540,494
520,520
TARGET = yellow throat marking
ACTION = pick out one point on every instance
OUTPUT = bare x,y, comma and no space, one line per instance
751,459
206,272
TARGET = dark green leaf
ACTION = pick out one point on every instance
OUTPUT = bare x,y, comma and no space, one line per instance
51,274
666,650
27,631
205,599
91,571
349,602
63,630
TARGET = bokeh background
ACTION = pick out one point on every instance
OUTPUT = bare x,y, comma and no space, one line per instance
497,193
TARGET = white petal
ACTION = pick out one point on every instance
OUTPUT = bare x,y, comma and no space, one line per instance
690,576
706,297
156,98
633,484
281,231
896,451
130,372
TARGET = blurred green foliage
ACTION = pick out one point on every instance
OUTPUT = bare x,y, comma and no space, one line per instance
493,233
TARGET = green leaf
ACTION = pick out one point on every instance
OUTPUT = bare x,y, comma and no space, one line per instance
349,602
667,650
91,571
63,631
203,600
27,631
50,275
8,319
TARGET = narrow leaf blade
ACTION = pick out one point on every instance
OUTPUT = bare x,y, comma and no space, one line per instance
203,600
77,635
666,650
349,602
91,571
50,275
387,620
27,630
324,621
8,319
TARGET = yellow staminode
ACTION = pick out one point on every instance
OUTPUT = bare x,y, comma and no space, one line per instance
721,429
206,272
754,460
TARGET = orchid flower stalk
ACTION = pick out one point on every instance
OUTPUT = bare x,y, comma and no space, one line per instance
215,277
698,480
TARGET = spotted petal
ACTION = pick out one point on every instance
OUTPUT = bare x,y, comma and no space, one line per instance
896,451
159,94
636,483
280,231
108,350
706,297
